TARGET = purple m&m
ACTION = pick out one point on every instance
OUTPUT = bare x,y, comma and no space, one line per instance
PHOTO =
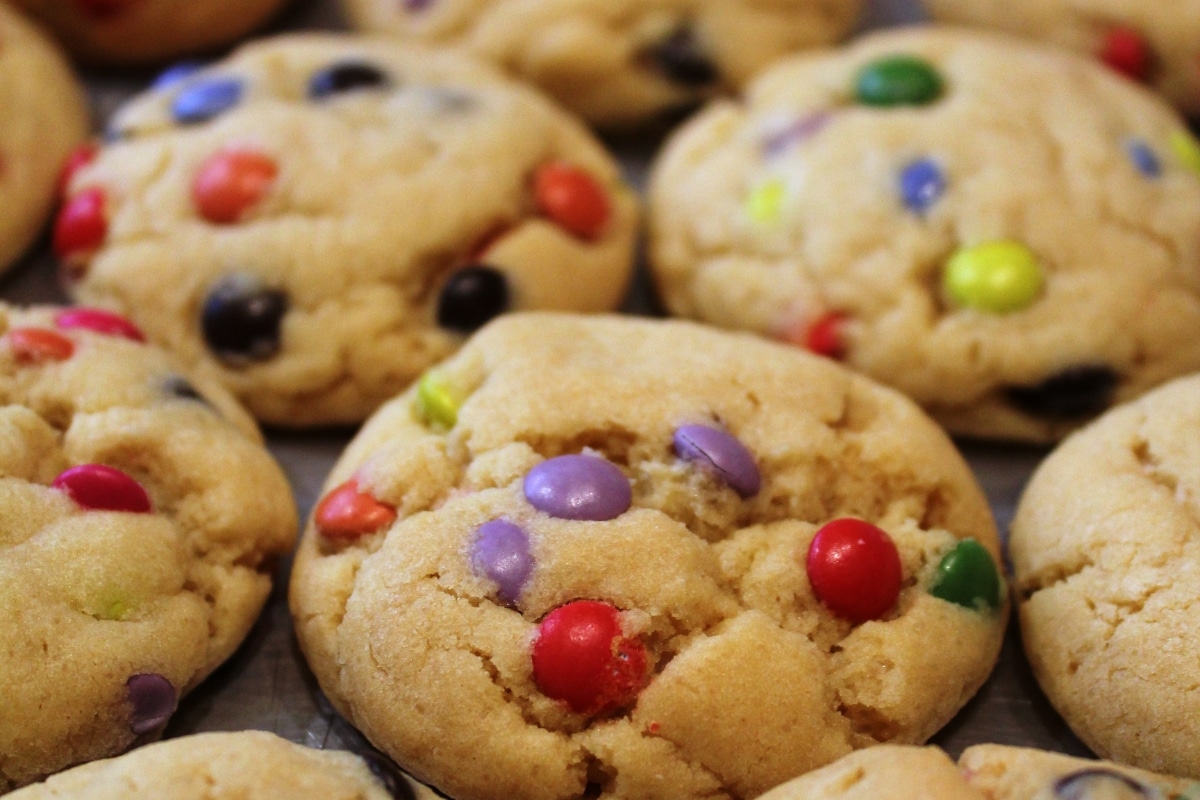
500,553
580,487
721,453
153,699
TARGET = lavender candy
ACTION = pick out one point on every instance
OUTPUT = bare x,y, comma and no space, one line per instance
720,452
500,553
1088,783
153,699
580,487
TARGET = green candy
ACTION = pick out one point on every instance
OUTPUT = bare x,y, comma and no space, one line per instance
898,80
764,205
996,277
1186,149
437,401
967,576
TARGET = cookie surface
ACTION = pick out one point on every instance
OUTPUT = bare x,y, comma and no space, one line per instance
146,31
46,116
317,219
887,772
617,62
1153,43
1004,232
252,765
652,492
1106,551
141,519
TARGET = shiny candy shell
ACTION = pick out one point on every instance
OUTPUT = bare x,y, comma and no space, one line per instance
231,182
437,401
721,453
967,576
153,700
1095,783
572,199
82,223
79,158
922,183
898,80
242,319
345,514
205,98
854,569
38,345
1185,149
578,487
99,321
96,487
500,552
1126,51
995,277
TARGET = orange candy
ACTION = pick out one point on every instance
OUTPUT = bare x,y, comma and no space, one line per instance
230,182
572,199
35,345
346,513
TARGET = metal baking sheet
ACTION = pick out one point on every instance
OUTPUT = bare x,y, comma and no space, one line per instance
266,684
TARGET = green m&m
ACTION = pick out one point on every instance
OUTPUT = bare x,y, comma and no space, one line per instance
437,401
898,80
996,277
967,576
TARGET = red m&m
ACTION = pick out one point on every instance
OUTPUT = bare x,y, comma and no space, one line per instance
79,158
37,345
230,183
82,224
572,199
854,569
346,513
1126,51
100,488
100,321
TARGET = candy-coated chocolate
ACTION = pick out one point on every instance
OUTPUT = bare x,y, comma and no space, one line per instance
580,487
898,80
79,158
1144,158
581,657
572,199
242,319
176,73
500,552
38,345
800,130
720,453
1075,392
764,205
99,321
205,98
231,182
681,58
346,76
1127,52
82,223
854,569
922,183
346,513
96,487
437,401
1186,149
153,700
967,576
472,297
1097,782
995,277
826,335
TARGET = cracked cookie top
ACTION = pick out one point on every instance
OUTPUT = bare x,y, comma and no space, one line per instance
317,219
141,519
610,557
1105,549
618,62
1004,232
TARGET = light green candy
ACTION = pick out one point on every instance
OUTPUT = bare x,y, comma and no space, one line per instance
437,401
997,277
1186,149
764,205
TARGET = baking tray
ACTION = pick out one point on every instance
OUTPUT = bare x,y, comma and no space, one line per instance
266,684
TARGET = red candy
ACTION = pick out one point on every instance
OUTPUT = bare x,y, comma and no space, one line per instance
581,658
100,321
79,158
854,569
824,337
35,345
81,225
100,488
1126,51
346,513
231,182
572,199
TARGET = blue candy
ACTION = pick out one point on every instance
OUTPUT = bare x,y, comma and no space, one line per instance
176,73
922,184
206,98
1143,158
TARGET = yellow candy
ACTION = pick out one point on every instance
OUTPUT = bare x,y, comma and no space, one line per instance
437,401
764,205
1186,150
997,277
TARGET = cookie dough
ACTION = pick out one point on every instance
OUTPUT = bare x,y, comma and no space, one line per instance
317,219
618,62
607,557
1004,232
45,117
1155,43
887,772
141,519
1105,546
147,31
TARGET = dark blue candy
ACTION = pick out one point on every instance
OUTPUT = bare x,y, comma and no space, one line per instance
204,99
682,59
346,76
1075,392
176,73
922,184
1143,158
242,319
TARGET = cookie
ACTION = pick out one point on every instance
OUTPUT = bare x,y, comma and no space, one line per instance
147,31
1004,232
608,557
1151,43
141,519
618,62
317,219
45,118
226,766
1105,550
888,772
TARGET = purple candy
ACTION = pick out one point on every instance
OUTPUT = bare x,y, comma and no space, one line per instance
501,552
578,487
153,699
798,131
417,5
720,452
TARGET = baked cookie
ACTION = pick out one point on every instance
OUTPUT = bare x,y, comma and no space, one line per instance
608,557
45,117
617,62
1004,232
250,765
1106,551
146,31
887,772
141,517
318,219
1155,43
